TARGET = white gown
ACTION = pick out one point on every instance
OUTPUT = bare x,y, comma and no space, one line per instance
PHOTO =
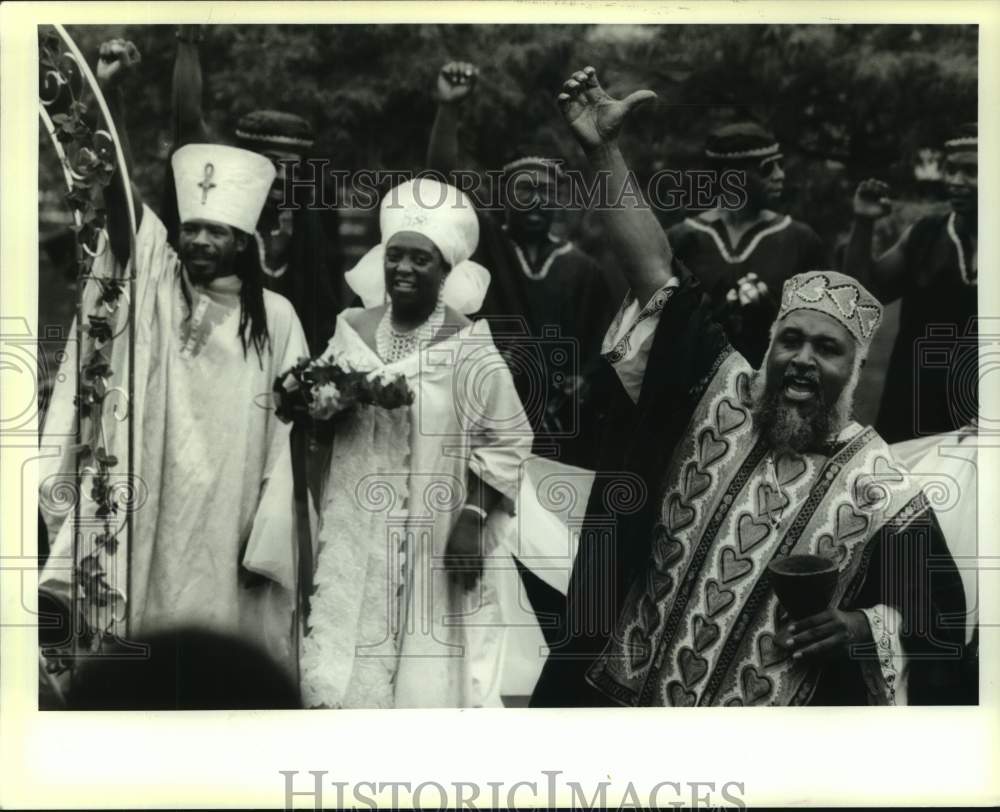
388,625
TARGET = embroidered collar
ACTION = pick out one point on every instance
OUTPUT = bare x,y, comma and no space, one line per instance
967,277
542,272
274,273
754,234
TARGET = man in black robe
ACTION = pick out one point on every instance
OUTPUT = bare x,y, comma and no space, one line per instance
743,244
932,384
548,302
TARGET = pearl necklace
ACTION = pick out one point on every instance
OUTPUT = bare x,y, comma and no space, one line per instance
392,345
969,280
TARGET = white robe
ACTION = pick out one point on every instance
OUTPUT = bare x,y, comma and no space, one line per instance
213,461
389,626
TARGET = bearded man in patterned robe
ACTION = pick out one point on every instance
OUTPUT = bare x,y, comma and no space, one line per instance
670,601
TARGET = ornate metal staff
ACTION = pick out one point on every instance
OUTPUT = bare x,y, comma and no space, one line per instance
103,498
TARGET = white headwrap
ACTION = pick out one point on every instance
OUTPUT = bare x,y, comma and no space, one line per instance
448,219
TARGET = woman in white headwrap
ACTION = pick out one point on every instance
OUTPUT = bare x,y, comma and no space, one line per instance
400,616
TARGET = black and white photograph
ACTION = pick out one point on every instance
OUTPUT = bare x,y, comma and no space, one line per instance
531,366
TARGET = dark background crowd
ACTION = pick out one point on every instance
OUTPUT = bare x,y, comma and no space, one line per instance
847,102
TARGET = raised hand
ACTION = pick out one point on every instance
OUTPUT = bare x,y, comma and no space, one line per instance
595,117
116,59
871,200
455,81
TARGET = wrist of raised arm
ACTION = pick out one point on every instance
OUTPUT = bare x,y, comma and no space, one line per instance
602,155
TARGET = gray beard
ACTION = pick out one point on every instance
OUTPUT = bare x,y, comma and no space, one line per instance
792,428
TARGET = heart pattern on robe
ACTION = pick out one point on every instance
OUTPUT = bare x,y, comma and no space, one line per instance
693,668
696,482
789,468
828,548
770,652
649,613
749,533
705,633
729,417
885,471
711,449
735,702
849,522
638,648
755,685
666,549
733,568
679,696
659,584
717,599
770,500
679,515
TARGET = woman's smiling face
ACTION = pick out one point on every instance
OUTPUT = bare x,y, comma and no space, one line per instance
414,273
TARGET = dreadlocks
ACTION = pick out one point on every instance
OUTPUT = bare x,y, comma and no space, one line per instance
253,317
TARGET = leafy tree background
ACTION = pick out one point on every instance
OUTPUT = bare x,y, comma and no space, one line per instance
846,101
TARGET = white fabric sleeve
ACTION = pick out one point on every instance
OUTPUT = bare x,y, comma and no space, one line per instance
154,258
500,434
885,677
629,339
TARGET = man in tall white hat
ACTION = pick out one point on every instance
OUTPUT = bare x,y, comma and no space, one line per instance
212,457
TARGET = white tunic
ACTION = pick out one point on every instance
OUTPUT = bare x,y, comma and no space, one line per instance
213,460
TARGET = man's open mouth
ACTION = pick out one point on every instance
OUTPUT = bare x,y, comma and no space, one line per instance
404,284
799,389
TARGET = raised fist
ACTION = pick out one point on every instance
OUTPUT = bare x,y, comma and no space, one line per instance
117,58
594,117
871,200
455,81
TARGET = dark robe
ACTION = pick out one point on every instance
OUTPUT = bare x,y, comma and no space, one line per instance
773,250
549,329
621,573
932,383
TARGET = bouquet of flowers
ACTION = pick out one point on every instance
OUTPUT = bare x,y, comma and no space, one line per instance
321,388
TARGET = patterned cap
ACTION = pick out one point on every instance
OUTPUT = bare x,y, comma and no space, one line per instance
741,141
965,140
837,295
272,128
547,166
